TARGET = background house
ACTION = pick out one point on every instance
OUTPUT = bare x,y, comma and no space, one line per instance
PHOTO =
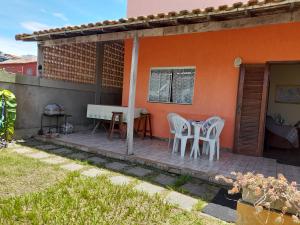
26,65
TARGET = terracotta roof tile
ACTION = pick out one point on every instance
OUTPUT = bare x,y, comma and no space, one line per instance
131,19
223,7
209,9
272,1
172,14
238,5
141,18
184,12
196,11
252,2
161,15
151,17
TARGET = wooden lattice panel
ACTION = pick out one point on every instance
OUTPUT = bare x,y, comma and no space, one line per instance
75,62
113,65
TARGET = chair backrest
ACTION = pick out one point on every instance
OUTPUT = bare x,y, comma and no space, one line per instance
210,121
182,126
170,121
215,129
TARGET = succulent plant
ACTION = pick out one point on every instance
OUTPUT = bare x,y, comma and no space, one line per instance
267,192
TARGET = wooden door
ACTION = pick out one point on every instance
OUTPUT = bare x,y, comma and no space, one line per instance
251,109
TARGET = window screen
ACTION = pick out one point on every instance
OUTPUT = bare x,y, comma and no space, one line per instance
175,85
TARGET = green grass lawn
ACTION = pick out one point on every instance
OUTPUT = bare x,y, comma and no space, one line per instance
20,175
32,192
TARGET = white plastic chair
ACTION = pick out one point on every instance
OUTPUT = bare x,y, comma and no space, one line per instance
212,137
205,127
183,132
171,126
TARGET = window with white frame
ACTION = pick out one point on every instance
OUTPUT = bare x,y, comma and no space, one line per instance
172,85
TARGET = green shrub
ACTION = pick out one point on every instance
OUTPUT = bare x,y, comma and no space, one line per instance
8,114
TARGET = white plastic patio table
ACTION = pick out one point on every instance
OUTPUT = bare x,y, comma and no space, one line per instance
197,128
104,112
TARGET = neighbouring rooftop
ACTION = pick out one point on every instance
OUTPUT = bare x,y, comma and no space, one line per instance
21,60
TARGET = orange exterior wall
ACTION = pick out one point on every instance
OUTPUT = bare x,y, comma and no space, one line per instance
213,54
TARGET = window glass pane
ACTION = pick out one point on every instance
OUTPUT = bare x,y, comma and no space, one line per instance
160,85
165,86
154,86
183,86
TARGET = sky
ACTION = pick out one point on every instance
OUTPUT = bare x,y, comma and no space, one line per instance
26,16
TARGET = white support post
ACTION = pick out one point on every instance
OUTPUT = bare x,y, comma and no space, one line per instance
40,60
132,90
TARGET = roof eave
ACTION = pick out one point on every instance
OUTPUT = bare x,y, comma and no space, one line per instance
253,8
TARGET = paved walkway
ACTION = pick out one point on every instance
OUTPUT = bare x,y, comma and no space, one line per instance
156,153
148,180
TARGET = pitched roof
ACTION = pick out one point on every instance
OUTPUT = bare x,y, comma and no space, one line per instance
22,60
223,12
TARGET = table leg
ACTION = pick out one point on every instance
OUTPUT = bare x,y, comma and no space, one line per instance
195,149
57,124
65,132
196,153
102,122
41,132
96,127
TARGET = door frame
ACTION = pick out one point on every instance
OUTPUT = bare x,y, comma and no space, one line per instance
264,103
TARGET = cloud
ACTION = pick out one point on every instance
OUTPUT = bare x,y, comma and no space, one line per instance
34,26
11,46
60,16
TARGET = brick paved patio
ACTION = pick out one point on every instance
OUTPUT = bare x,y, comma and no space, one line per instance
156,153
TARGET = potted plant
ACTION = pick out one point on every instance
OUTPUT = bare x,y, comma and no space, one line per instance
265,200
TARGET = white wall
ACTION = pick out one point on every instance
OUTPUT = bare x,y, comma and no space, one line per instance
147,7
284,75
